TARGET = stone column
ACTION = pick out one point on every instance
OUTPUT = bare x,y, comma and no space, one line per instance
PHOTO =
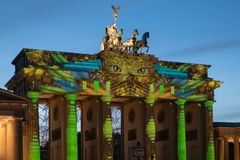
10,140
226,151
236,148
13,140
221,149
18,136
182,151
34,150
150,127
210,141
107,125
24,141
216,144
3,141
72,142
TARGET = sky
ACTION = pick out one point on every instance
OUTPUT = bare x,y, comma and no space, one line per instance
199,31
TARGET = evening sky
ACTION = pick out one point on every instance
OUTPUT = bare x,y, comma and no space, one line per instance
194,31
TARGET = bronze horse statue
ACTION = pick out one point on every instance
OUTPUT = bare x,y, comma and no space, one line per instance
142,43
130,44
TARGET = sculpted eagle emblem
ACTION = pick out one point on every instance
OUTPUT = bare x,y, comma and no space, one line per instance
115,14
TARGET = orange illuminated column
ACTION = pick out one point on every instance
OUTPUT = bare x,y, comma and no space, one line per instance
3,141
13,139
236,148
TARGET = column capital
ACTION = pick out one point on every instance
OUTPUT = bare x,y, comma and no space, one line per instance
209,104
71,96
225,138
180,102
33,96
107,98
236,138
15,119
150,100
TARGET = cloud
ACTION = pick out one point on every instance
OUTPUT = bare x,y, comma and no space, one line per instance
206,48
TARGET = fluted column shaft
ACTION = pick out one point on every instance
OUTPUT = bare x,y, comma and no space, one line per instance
3,141
210,141
226,149
107,126
72,143
221,149
182,151
13,140
34,153
150,128
236,148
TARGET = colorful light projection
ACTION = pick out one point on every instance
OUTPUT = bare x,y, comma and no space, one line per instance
113,74
129,75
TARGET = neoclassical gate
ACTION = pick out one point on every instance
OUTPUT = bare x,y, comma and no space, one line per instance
155,96
166,106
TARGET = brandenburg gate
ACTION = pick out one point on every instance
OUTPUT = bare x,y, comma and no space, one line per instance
166,107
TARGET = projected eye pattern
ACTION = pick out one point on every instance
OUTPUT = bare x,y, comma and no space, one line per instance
126,74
